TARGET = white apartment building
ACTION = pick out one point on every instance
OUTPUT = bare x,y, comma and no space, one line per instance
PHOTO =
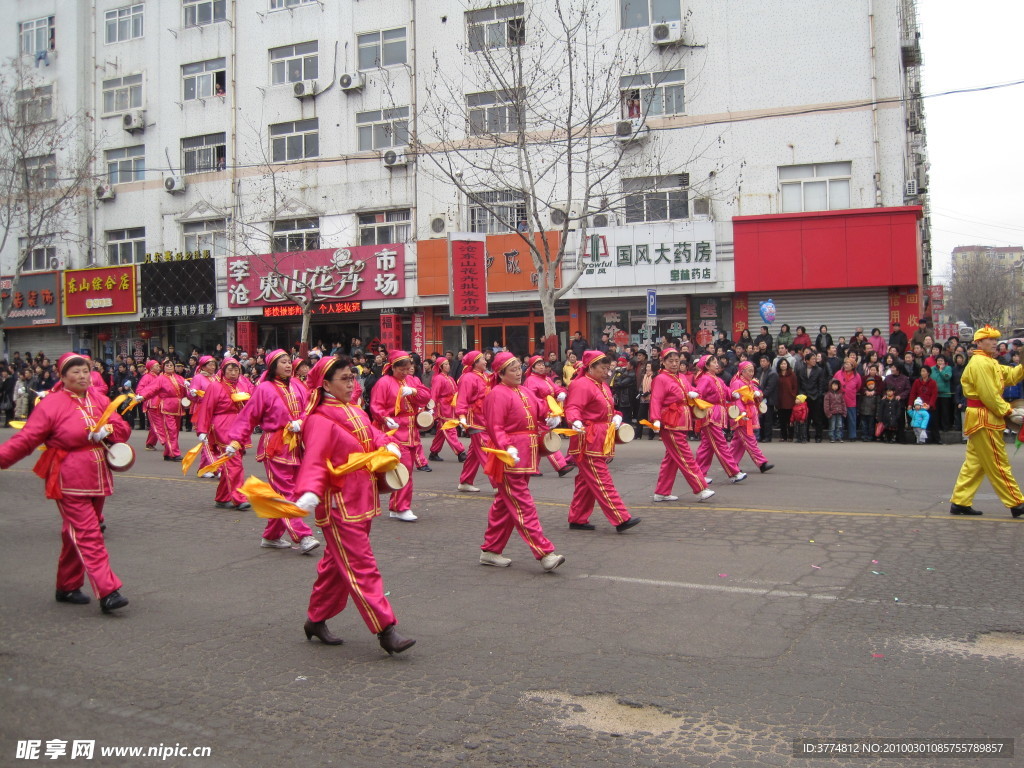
772,149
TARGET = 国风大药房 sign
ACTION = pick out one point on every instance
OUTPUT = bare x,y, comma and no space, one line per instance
670,254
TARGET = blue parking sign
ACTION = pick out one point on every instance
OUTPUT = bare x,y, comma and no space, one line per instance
652,302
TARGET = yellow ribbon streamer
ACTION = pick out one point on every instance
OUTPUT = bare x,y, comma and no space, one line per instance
505,456
646,423
16,424
131,406
214,466
555,407
566,432
108,412
188,458
698,403
240,397
609,440
266,502
450,424
289,438
381,460
746,394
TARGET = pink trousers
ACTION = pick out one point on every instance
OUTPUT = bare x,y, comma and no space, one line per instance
741,442
401,499
231,480
450,436
678,456
594,484
513,508
712,443
83,551
169,427
474,460
282,479
557,460
348,569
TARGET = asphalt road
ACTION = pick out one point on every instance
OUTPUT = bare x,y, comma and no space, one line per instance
832,597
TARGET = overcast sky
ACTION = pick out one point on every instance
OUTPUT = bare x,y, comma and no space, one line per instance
974,140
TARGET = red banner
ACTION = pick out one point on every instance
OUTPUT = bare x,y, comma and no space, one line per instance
468,278
390,331
100,291
419,334
364,273
247,336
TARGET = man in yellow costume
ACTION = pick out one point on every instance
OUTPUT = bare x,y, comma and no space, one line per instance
983,382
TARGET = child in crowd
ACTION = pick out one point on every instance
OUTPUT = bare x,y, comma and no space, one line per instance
889,414
866,410
835,411
798,419
919,420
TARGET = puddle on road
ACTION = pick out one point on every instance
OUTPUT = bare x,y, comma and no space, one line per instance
605,713
998,645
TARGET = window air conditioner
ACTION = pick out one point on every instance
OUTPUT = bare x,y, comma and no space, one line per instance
560,212
441,223
174,184
305,89
911,190
105,192
702,206
395,159
352,81
56,262
629,130
602,220
667,33
134,121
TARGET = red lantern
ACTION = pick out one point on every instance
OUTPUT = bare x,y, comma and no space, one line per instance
145,335
103,336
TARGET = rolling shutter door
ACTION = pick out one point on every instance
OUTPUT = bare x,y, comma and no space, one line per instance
841,310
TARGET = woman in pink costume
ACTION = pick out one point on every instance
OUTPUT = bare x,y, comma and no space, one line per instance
205,375
345,507
169,388
538,382
394,402
746,395
474,384
709,387
442,392
151,406
214,418
77,477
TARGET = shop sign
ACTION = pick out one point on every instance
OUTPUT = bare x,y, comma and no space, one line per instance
390,331
468,269
419,334
672,254
323,308
172,288
33,303
363,273
99,291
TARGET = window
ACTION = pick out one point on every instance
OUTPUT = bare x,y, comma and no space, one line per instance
276,5
493,112
641,13
122,93
292,63
509,212
656,93
295,140
500,27
37,36
382,49
200,12
39,257
656,198
296,235
820,187
126,246
35,105
41,171
200,154
384,227
126,164
124,23
210,235
383,128
203,79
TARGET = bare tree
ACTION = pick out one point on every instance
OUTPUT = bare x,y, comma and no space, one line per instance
559,116
46,166
984,291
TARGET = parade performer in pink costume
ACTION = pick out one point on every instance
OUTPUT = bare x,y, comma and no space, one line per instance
77,477
205,375
442,391
708,387
590,410
538,382
474,384
169,388
394,402
672,418
151,406
515,420
224,399
345,506
277,406
746,395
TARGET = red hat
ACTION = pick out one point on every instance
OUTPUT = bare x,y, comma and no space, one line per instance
592,356
438,363
470,357
395,356
533,361
226,362
71,358
702,363
501,360
744,366
622,360
669,351
204,360
270,358
315,380
151,363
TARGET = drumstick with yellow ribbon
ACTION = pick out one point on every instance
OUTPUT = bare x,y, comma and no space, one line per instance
108,412
189,457
646,423
266,502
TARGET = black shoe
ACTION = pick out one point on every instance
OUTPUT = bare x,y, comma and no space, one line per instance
957,509
424,468
1015,511
462,457
765,467
435,457
319,629
622,527
582,526
113,601
243,506
172,458
73,596
224,505
566,470
392,642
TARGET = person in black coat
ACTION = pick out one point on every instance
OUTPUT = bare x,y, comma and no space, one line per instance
623,386
768,381
813,383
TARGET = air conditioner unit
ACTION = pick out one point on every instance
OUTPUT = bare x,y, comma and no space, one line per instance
602,220
629,130
352,81
174,184
56,262
914,122
668,33
560,212
441,223
922,179
305,89
134,121
105,192
911,189
394,158
702,206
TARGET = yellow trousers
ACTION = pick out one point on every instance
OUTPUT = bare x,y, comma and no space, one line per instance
986,457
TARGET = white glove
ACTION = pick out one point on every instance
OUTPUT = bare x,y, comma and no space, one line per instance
390,423
408,391
202,437
657,426
514,453
578,425
1017,416
693,395
393,448
230,450
561,397
462,422
44,393
193,393
295,426
735,395
553,421
431,412
616,420
307,502
100,433
138,398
